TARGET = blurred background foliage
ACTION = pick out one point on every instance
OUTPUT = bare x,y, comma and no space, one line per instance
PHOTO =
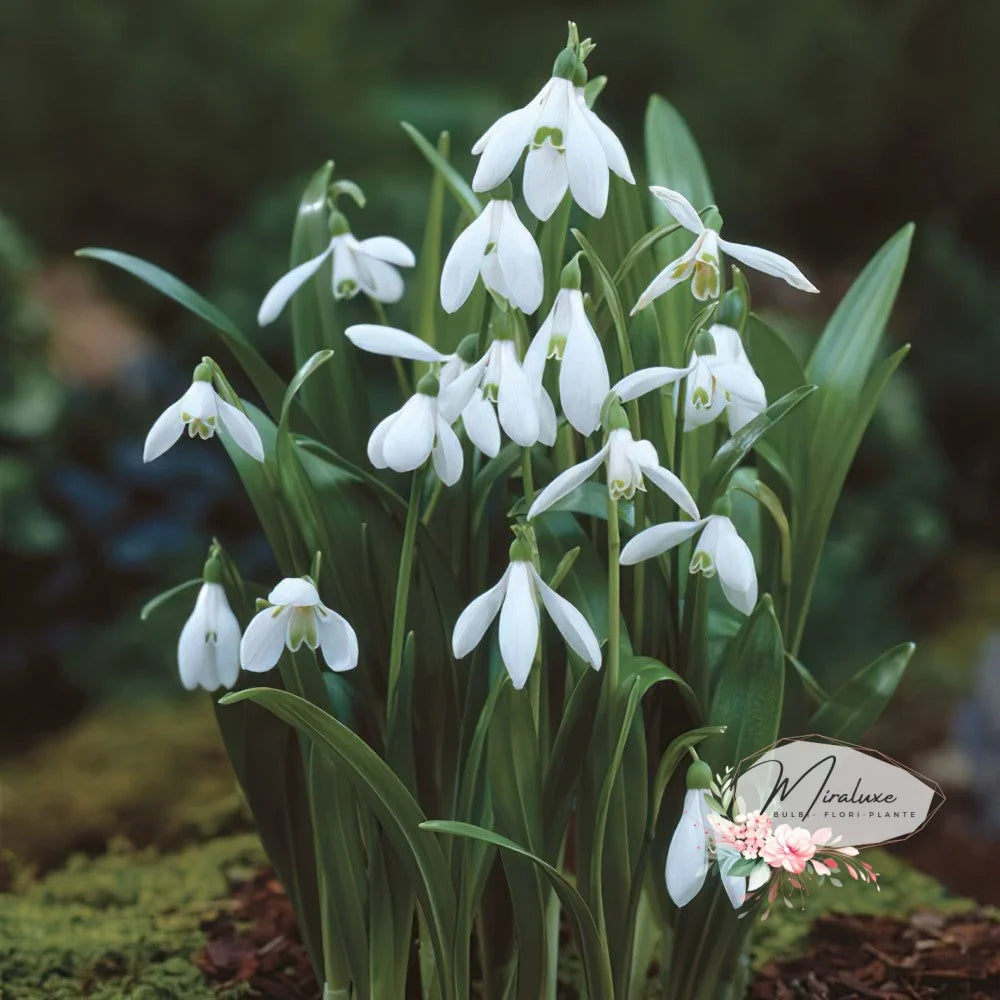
183,132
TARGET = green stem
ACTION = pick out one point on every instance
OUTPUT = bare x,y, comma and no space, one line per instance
527,479
638,579
402,596
675,553
691,985
614,595
401,376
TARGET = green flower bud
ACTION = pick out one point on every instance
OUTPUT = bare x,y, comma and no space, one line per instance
566,64
704,344
570,277
429,385
468,348
338,224
202,373
503,325
733,309
615,418
699,775
520,550
212,573
503,192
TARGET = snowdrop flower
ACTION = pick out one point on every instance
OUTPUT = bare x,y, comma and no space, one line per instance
499,247
498,380
208,651
568,145
722,379
628,461
719,550
367,266
516,598
297,615
421,428
201,410
701,261
690,852
568,335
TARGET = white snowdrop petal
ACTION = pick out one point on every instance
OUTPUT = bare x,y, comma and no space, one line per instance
389,249
516,399
285,287
241,429
673,487
674,273
566,482
659,538
614,151
680,208
477,617
735,566
455,396
192,652
410,437
264,640
464,261
164,433
769,263
392,342
586,163
547,423
227,644
337,640
518,625
376,442
296,591
519,259
546,179
382,281
583,377
687,856
447,454
573,627
502,148
481,425
646,380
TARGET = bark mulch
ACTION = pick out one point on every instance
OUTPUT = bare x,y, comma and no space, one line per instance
929,956
255,941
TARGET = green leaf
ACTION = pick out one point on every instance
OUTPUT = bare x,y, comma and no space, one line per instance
597,971
263,377
429,264
812,686
463,194
155,603
729,456
588,499
607,284
750,690
852,710
307,369
397,812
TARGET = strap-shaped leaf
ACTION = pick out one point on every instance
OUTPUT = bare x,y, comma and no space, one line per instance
467,199
263,377
396,810
852,710
592,950
750,690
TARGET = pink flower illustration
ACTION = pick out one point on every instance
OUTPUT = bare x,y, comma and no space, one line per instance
791,849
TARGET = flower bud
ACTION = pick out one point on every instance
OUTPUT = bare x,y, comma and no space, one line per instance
704,344
202,373
502,192
338,224
734,307
429,385
699,775
615,417
212,573
570,277
520,550
468,348
502,325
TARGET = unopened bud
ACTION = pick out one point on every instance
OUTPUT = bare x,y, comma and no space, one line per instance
570,277
428,385
202,373
699,775
704,344
212,573
468,348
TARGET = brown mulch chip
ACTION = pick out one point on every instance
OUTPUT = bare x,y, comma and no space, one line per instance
929,956
255,941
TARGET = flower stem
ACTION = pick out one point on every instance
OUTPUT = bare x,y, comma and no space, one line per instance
401,377
675,553
527,479
614,589
402,596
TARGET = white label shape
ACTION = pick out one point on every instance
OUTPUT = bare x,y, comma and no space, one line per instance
862,798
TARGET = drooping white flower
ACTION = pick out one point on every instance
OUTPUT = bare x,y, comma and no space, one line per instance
499,247
567,334
723,381
516,598
297,616
202,411
367,266
499,385
421,428
700,261
693,846
208,650
719,550
569,147
628,462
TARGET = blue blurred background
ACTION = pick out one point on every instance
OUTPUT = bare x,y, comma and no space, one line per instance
183,132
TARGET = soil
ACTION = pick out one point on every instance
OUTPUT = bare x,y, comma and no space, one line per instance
928,956
257,943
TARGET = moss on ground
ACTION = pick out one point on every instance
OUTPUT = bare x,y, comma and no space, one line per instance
125,925
902,891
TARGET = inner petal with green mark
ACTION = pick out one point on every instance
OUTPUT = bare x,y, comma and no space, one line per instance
701,562
554,136
302,628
